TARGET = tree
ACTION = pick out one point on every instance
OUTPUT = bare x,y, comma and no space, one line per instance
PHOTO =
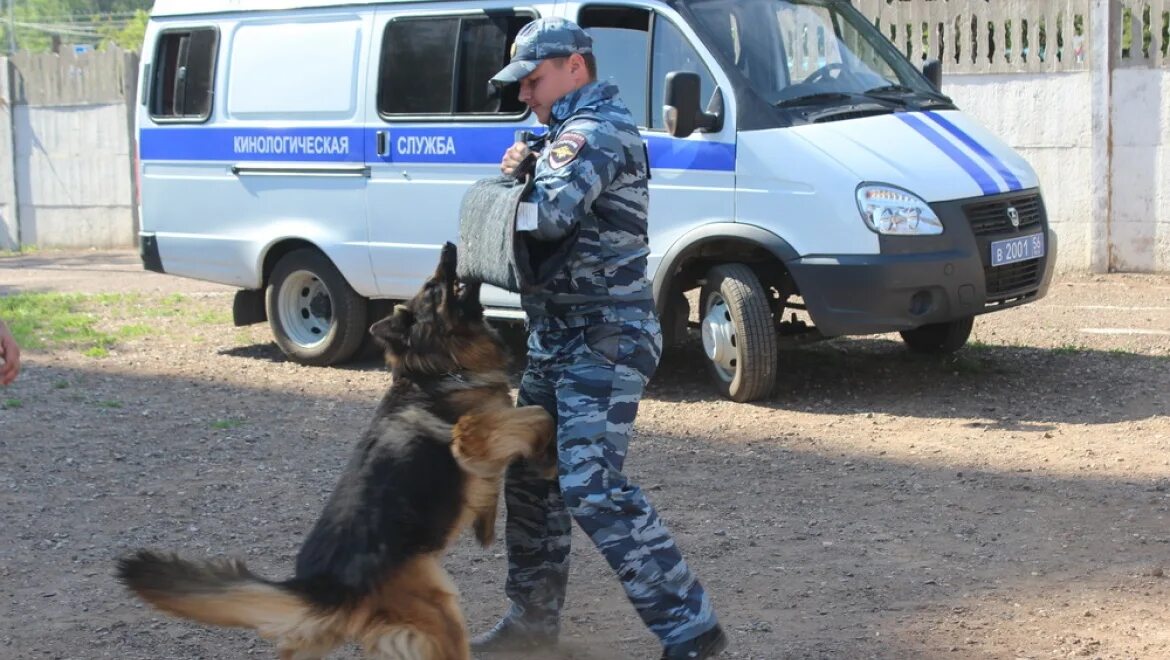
40,24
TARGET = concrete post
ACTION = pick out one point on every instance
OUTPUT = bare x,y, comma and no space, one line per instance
1104,40
9,206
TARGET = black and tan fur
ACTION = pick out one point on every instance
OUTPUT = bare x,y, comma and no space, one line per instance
430,464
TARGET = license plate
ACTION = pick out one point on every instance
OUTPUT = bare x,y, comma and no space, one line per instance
1011,250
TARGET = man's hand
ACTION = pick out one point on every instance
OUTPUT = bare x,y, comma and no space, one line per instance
9,356
513,157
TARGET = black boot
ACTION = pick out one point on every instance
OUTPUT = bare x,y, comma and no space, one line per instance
707,645
507,636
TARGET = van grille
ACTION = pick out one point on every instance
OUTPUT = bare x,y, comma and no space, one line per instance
1013,277
988,218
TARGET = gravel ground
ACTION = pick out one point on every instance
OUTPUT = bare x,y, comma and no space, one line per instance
1008,502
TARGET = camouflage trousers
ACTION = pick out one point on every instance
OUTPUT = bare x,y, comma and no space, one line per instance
591,380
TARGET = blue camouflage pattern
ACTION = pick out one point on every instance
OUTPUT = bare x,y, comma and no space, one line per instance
602,191
539,40
591,379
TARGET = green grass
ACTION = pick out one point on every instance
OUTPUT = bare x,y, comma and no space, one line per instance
171,305
12,404
70,320
134,330
110,404
49,320
214,317
964,364
27,249
1069,349
227,424
60,384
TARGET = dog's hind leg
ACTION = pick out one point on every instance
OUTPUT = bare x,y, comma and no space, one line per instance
303,654
417,616
299,647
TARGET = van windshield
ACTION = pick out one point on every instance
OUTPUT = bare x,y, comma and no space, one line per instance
812,53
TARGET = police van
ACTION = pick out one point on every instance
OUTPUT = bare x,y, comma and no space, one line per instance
314,153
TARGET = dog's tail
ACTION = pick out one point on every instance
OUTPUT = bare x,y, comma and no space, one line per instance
220,593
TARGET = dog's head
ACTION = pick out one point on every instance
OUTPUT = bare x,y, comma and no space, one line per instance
441,328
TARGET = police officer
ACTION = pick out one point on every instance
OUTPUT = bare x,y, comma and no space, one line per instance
594,341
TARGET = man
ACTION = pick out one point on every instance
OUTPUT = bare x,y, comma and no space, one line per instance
593,344
9,356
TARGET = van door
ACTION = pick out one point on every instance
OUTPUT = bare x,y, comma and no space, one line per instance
236,158
692,179
435,129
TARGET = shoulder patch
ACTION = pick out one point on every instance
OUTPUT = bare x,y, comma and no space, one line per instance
565,149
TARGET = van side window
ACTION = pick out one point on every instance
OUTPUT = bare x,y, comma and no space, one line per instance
635,49
184,75
621,36
672,52
441,66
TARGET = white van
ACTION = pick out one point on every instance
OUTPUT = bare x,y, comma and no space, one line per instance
314,153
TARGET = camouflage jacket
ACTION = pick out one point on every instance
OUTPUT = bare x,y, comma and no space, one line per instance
593,173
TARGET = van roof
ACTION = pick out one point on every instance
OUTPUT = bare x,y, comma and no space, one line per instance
188,8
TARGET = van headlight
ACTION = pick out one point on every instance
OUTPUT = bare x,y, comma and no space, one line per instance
893,211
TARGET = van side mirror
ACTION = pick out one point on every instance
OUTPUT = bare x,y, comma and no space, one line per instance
681,113
932,69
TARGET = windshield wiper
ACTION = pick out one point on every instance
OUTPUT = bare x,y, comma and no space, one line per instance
895,90
813,99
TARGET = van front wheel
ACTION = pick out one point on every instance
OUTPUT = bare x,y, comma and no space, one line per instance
316,317
739,336
939,338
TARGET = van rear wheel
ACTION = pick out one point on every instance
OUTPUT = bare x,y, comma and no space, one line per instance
939,338
739,336
316,317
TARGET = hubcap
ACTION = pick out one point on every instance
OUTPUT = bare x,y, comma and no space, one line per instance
719,339
306,310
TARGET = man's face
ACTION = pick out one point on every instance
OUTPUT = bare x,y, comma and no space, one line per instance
549,82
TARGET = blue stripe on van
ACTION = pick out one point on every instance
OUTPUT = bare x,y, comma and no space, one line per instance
438,145
205,143
477,145
674,154
989,186
984,153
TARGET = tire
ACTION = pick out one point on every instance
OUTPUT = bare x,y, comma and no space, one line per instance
939,338
739,336
316,317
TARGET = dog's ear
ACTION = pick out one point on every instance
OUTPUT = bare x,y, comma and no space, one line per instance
448,260
394,330
469,304
445,278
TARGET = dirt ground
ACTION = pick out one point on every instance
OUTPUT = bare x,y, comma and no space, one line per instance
1012,501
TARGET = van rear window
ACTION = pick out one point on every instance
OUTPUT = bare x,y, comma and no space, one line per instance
184,75
440,66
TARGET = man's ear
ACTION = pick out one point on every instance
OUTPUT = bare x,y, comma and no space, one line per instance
394,330
577,64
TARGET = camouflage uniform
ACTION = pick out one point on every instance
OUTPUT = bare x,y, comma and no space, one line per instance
594,342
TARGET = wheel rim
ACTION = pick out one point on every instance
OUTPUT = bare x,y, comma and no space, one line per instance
306,309
719,338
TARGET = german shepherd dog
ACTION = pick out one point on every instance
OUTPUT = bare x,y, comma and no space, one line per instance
429,465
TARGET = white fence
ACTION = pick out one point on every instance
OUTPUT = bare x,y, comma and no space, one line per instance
1080,87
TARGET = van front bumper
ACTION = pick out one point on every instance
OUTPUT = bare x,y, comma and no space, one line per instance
910,284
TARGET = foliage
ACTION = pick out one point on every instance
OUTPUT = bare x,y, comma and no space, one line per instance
42,25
